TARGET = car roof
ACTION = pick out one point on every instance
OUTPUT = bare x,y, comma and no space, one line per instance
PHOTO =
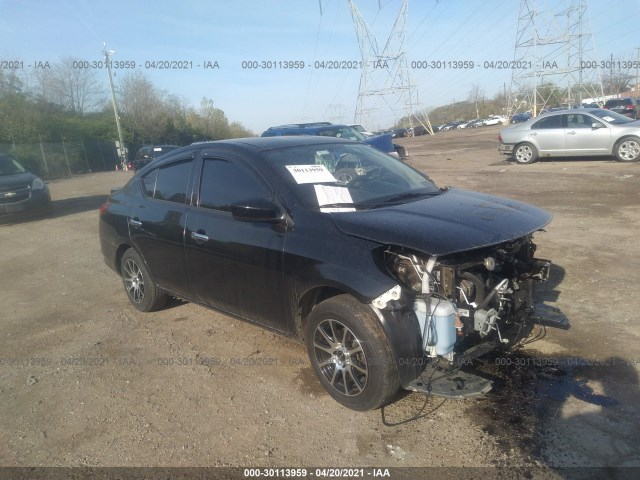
270,143
569,111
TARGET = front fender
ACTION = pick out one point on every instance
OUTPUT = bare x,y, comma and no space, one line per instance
403,333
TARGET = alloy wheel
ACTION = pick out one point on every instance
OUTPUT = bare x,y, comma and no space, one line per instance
134,281
340,356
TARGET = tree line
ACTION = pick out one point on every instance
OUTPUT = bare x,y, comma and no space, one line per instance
64,102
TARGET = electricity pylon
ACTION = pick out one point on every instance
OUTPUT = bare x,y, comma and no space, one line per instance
385,78
554,60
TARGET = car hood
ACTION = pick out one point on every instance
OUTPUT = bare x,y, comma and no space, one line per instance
16,180
454,221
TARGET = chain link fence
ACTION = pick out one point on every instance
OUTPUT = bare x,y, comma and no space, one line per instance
52,160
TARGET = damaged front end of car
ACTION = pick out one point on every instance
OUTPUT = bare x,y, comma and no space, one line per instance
461,306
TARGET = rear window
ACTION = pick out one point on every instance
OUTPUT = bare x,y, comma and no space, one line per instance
169,182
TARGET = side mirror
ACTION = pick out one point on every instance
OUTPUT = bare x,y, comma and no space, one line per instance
597,125
256,210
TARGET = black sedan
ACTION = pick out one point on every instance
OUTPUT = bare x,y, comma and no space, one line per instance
390,281
21,191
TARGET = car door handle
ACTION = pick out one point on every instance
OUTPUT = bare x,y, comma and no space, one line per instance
199,237
533,134
135,223
571,133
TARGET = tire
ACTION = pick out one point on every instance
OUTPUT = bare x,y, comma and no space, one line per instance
140,289
401,151
350,354
525,153
627,149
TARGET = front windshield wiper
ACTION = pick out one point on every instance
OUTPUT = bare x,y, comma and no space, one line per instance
403,196
339,205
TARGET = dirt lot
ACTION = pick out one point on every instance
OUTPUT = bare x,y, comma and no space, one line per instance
85,379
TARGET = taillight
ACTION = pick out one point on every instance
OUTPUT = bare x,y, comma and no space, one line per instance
104,207
629,107
500,138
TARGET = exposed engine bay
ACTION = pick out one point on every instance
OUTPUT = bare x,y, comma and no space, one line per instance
468,303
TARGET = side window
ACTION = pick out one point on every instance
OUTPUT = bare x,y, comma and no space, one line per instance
149,182
579,121
173,181
224,183
554,121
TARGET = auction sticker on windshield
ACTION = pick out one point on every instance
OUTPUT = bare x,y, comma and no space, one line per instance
329,195
310,173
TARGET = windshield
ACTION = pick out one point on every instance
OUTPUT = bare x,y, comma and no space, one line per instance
341,132
346,176
9,166
611,117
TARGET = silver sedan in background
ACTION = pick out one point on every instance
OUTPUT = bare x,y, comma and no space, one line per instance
573,133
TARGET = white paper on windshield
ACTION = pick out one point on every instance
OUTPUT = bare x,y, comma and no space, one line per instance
329,195
608,119
310,174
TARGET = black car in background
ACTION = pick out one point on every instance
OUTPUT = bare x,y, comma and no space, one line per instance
390,281
625,106
21,191
401,133
150,152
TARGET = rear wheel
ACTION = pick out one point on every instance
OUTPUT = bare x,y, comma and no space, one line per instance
142,292
350,354
525,153
628,149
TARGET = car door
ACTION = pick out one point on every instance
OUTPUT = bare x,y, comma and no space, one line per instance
547,134
582,138
157,222
234,265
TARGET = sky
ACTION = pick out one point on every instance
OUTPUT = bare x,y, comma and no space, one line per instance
239,34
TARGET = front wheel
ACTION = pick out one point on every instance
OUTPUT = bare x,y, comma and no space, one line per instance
628,149
401,151
350,354
525,153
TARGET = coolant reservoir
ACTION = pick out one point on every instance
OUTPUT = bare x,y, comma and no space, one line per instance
438,327
443,315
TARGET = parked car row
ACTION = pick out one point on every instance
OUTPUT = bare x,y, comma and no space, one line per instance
477,122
